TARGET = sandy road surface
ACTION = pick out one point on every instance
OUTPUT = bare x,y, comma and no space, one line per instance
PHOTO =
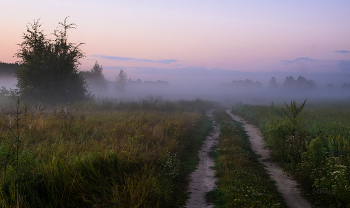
202,179
286,185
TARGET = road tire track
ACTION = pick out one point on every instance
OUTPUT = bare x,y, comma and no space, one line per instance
203,178
286,185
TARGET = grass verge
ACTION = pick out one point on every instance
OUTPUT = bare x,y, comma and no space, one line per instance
243,181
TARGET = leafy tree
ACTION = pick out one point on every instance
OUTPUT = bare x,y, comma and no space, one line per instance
300,84
48,71
289,82
97,70
96,79
273,84
305,84
121,80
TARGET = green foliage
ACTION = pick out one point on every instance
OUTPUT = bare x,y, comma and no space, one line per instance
243,181
87,156
292,112
48,70
319,151
149,103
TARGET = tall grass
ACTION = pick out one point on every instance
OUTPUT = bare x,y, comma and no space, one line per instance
100,155
318,153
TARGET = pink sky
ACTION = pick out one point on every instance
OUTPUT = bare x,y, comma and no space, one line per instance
250,36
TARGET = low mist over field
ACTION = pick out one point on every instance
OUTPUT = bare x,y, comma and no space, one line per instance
245,88
8,82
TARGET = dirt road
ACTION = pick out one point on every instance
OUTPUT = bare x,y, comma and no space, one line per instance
286,185
202,179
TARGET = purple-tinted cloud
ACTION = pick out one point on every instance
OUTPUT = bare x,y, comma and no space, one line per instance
144,60
118,58
166,61
342,51
298,60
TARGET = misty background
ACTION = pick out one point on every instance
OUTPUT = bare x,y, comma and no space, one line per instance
216,84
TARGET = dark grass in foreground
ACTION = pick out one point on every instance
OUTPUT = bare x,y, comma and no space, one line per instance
111,155
243,181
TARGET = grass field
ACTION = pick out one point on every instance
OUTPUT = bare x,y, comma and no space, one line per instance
110,153
315,146
106,154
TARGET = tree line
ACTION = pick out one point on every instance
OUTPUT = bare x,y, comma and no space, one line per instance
289,84
301,83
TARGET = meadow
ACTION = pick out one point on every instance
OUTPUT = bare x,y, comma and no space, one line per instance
313,145
104,153
114,153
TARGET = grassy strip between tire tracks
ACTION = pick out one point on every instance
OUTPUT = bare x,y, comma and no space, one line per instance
243,181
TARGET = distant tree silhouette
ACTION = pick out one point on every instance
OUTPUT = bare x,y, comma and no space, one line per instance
300,84
48,71
96,79
121,80
273,84
243,83
97,70
330,86
289,83
346,86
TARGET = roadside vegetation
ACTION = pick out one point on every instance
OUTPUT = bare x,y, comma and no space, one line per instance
313,144
108,154
243,181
